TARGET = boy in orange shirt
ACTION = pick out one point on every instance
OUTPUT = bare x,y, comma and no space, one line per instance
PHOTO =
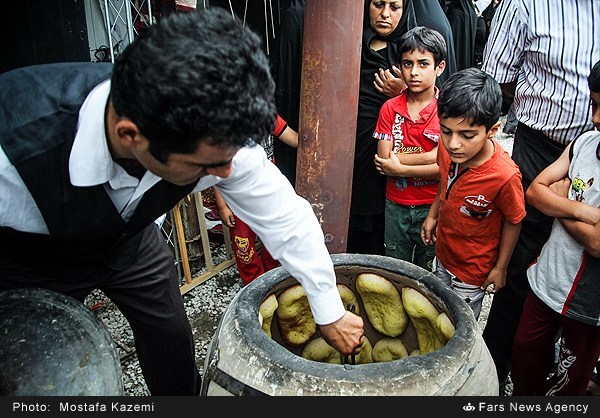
476,216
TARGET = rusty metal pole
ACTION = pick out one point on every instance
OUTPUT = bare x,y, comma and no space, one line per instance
328,110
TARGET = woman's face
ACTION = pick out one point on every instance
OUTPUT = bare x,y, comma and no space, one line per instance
384,15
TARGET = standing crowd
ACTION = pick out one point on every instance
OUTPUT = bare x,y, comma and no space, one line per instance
91,154
442,73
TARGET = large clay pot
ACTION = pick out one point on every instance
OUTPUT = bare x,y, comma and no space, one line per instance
52,345
243,360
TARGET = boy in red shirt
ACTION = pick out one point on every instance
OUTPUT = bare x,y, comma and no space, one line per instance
476,216
408,131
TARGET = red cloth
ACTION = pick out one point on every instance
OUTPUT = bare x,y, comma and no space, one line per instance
280,126
185,5
409,137
250,262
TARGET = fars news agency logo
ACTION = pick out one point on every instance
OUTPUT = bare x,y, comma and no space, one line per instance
468,407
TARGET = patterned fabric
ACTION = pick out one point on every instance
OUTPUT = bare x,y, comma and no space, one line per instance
409,137
548,48
251,260
185,5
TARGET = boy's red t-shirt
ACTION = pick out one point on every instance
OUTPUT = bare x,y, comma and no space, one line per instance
409,137
473,206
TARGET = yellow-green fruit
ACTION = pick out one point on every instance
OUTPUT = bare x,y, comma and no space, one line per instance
266,311
415,352
388,349
319,350
296,322
423,314
382,303
445,327
348,298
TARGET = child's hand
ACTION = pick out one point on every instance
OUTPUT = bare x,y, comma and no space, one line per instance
389,166
379,162
496,278
561,187
226,216
428,234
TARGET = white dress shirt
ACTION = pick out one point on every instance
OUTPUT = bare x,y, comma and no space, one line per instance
256,191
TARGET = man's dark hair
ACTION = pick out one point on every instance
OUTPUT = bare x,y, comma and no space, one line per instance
594,78
195,76
473,95
423,39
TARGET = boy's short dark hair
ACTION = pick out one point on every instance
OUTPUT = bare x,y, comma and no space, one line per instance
594,78
423,39
473,95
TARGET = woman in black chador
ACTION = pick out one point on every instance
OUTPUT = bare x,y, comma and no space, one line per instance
463,20
379,51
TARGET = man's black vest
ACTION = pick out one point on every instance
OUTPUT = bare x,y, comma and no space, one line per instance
39,109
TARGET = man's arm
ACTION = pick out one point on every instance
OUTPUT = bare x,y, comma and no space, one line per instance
502,62
423,158
384,149
259,194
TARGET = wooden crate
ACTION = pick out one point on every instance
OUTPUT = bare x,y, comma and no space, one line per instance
200,253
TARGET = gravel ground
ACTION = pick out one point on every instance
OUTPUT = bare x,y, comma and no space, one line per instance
204,304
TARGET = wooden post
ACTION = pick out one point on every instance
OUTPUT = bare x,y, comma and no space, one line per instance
328,111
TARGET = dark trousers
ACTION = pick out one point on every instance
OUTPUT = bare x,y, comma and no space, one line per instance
532,151
533,355
147,294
